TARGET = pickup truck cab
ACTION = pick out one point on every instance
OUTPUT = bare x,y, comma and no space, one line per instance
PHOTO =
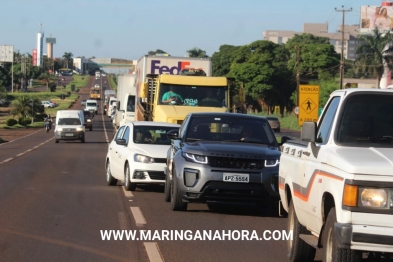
337,182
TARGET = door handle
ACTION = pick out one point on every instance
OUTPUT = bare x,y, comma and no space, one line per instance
306,153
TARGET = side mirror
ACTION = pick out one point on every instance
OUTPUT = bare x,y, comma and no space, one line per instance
309,131
285,139
173,134
122,142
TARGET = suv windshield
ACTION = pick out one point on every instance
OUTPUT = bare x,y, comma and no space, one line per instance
367,120
231,129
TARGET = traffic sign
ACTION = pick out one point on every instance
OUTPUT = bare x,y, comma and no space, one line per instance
296,110
308,103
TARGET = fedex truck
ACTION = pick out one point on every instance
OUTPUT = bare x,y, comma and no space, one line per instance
155,75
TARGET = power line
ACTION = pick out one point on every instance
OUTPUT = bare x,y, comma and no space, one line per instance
342,44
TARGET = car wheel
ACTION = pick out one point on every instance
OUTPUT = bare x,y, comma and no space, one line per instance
278,130
177,203
57,141
83,140
167,189
298,250
127,180
91,128
110,180
331,252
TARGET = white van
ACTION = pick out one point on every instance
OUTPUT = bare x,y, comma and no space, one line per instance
92,105
70,125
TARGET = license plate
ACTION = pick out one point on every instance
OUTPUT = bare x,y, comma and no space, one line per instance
242,178
69,134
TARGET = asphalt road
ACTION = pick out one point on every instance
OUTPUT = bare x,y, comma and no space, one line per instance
54,201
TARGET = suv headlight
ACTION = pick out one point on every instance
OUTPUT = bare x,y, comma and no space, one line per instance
195,158
368,197
143,159
79,129
271,162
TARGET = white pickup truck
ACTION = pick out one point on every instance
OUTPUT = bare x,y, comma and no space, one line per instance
336,184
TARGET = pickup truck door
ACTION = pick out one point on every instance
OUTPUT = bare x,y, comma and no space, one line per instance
314,175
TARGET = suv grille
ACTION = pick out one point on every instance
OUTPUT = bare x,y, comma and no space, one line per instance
242,163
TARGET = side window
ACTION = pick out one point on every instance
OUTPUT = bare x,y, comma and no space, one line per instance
327,121
183,128
120,132
126,135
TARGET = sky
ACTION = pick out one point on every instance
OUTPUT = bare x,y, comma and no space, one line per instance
129,29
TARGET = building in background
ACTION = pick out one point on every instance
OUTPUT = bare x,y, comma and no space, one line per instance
49,46
320,29
40,46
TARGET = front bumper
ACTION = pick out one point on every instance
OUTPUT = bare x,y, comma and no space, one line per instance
69,135
207,184
363,237
142,173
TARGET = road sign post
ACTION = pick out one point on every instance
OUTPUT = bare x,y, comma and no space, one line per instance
308,103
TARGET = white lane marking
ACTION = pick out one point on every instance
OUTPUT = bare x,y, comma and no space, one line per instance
138,216
122,220
20,138
21,154
8,159
127,193
153,252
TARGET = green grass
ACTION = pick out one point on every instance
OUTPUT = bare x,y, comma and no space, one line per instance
112,83
289,121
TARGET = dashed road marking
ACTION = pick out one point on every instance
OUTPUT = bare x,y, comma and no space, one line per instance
127,193
138,216
153,252
7,160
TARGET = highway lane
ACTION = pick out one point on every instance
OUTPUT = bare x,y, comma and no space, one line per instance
54,202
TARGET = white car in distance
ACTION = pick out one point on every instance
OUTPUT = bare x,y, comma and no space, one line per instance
138,153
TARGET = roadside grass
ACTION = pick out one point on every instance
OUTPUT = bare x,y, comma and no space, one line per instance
112,83
289,121
78,81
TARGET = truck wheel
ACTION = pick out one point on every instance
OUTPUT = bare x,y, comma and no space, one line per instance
167,190
127,180
110,180
298,250
57,141
177,203
331,252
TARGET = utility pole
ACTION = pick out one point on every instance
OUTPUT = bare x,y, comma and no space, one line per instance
342,44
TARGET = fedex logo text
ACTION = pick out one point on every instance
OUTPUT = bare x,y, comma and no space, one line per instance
157,69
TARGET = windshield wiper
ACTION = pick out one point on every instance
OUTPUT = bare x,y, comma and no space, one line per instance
375,138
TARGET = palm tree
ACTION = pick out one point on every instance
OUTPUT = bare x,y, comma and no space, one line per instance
375,52
67,57
25,106
197,52
47,79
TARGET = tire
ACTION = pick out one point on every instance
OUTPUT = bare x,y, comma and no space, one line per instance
331,252
278,130
167,189
83,140
91,128
177,203
298,250
127,180
110,180
57,141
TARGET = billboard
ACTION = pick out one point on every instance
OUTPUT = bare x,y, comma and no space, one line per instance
376,16
6,53
34,57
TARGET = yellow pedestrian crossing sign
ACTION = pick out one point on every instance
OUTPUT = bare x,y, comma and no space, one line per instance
308,103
